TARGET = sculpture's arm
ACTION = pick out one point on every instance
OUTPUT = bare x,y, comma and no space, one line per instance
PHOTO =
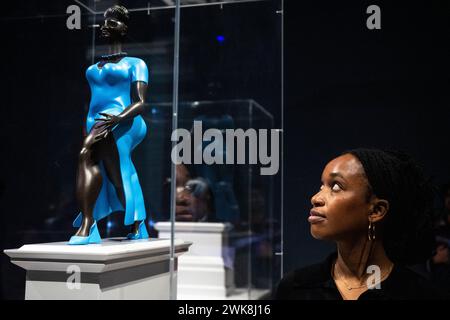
137,106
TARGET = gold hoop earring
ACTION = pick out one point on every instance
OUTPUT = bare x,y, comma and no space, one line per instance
371,231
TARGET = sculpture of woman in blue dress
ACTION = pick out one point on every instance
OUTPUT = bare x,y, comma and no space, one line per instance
107,180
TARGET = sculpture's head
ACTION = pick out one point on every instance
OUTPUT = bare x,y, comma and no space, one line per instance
115,26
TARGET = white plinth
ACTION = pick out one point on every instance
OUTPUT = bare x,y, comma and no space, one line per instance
205,272
115,269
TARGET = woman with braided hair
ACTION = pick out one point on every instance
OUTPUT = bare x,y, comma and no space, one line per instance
375,205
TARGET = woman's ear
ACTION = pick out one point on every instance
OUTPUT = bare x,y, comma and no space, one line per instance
379,210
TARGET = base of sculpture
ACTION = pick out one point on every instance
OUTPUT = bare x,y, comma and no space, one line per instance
115,269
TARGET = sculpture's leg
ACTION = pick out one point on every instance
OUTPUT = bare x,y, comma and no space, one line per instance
111,162
110,155
89,182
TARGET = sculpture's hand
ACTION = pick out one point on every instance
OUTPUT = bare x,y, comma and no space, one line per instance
109,122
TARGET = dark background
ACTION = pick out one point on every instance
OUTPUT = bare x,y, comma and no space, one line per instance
345,86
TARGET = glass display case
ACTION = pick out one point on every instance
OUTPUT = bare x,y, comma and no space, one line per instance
236,195
215,78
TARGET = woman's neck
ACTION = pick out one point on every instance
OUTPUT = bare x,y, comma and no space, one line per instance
355,256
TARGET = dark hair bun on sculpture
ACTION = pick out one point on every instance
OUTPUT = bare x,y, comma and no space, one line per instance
119,13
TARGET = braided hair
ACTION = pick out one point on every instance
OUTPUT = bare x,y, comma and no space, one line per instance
407,228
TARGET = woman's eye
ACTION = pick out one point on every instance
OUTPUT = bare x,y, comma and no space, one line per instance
335,187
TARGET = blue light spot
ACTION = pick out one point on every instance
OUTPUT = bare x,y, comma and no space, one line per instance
220,38
154,111
151,223
109,224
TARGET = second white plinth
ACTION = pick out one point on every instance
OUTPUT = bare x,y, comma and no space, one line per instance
206,271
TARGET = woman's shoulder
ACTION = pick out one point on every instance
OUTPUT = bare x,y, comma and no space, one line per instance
306,276
406,283
309,277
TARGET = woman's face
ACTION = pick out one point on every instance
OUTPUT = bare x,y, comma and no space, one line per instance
341,209
190,207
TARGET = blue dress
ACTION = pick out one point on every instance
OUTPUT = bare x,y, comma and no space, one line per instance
110,93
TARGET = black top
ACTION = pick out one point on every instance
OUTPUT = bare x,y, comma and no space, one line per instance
316,283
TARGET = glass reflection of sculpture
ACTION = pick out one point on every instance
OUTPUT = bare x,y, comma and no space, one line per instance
219,176
107,180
